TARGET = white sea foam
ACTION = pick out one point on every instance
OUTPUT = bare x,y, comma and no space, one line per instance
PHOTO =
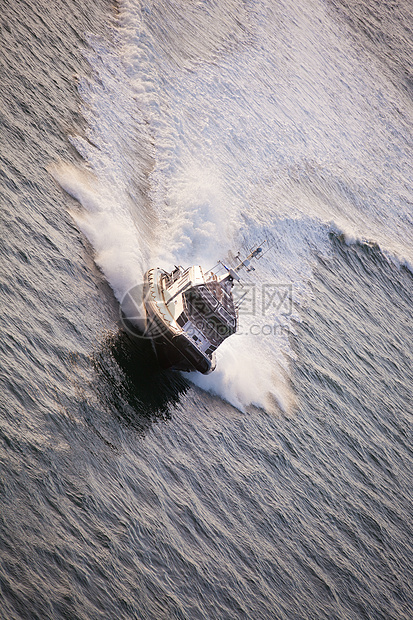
233,151
108,226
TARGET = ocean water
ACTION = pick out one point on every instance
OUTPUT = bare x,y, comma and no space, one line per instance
138,134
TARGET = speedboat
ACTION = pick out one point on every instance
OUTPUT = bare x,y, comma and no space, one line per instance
190,312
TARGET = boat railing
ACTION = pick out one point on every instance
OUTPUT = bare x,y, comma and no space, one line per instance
176,274
208,296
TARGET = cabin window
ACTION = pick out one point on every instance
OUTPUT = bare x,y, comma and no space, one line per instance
221,328
216,327
182,319
198,303
226,316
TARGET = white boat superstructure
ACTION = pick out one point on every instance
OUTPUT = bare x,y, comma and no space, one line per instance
190,312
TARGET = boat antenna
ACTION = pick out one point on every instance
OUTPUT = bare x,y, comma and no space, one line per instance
255,252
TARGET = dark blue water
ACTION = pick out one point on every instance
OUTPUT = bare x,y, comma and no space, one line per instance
280,486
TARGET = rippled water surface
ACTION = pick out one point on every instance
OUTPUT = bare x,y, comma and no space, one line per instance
158,133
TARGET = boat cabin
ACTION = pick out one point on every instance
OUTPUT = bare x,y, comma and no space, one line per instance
202,306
